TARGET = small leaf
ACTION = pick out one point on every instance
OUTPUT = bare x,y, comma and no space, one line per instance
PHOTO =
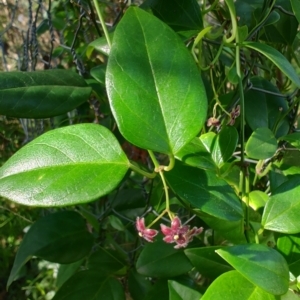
233,286
66,166
178,291
293,139
257,199
90,284
41,94
60,237
262,144
281,211
207,262
165,106
101,45
204,190
261,265
277,58
289,247
162,260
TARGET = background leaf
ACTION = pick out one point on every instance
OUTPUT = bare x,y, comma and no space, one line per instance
277,58
60,237
41,94
165,106
66,166
296,8
281,211
257,263
178,291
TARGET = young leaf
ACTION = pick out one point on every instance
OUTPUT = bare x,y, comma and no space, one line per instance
154,87
41,94
262,144
162,260
60,237
66,166
233,286
204,190
277,58
281,211
261,265
90,284
178,291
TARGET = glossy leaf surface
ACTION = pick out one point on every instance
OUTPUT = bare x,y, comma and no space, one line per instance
165,106
256,263
281,211
162,260
91,284
207,262
184,15
262,144
60,237
205,191
66,166
233,286
178,291
41,94
277,58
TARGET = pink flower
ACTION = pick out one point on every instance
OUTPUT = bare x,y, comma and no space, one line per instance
181,235
146,233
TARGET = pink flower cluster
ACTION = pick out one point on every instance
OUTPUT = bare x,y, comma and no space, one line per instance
177,233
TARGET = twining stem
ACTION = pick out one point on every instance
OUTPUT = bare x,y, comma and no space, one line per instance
142,172
100,16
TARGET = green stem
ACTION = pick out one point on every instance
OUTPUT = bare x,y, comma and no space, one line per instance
157,218
231,8
161,173
142,172
247,217
171,163
99,13
154,160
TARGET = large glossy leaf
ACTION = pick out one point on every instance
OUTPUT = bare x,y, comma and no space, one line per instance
154,87
261,144
66,166
257,263
184,15
162,260
60,237
281,213
41,94
178,291
277,58
90,284
205,191
289,246
207,262
233,286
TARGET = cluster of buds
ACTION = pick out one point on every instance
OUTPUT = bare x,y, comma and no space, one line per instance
179,234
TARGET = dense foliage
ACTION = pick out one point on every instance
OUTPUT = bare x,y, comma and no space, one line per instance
162,160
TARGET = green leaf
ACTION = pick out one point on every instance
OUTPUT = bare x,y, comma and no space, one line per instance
296,9
281,211
138,285
61,237
277,58
233,286
196,154
293,139
178,291
165,106
100,45
204,190
262,144
184,15
158,291
207,262
225,145
257,199
289,247
90,284
269,108
162,260
66,166
41,94
107,262
66,271
261,265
